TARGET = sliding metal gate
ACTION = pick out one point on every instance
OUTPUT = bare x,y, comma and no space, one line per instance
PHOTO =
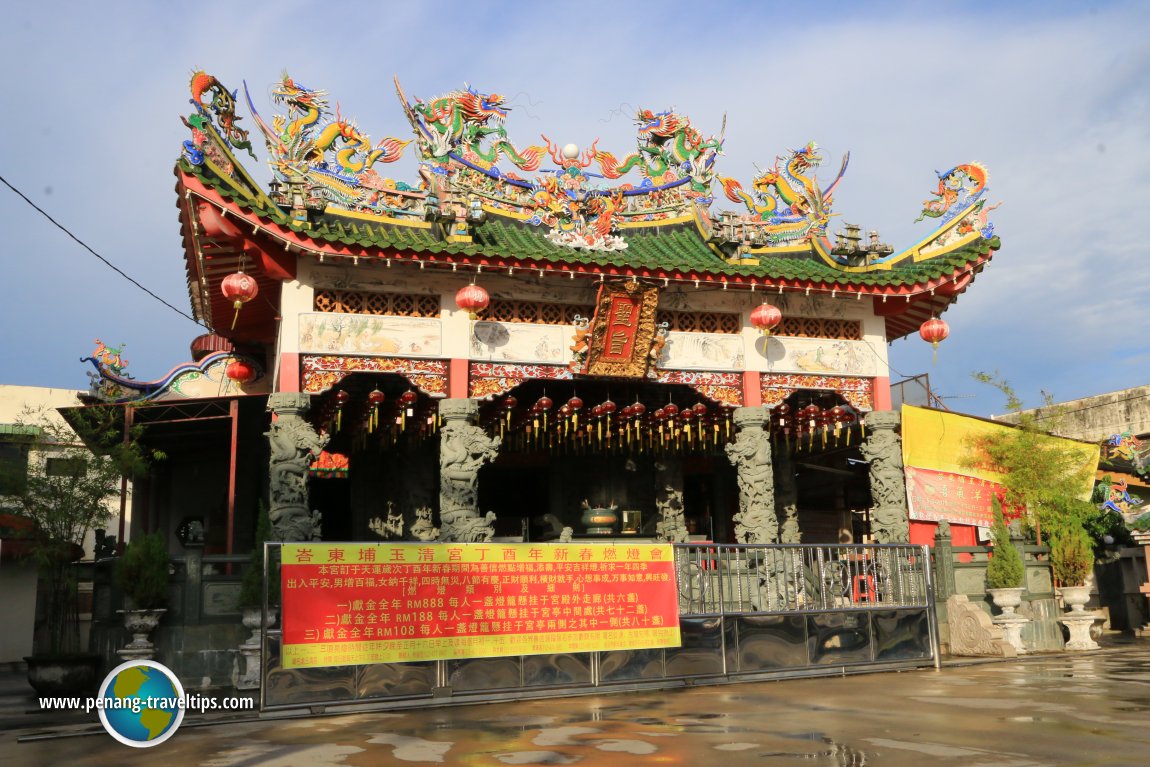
746,613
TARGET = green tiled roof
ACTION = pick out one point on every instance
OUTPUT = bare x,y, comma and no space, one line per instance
672,248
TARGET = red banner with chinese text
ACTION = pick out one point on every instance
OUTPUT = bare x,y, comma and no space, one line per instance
959,499
360,603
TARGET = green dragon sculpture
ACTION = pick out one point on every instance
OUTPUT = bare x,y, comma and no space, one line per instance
667,143
461,123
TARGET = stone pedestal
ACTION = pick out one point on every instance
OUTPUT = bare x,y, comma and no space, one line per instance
1011,626
140,623
246,669
1079,625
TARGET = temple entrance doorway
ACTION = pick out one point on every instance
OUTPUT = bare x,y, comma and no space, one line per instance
816,437
379,468
604,458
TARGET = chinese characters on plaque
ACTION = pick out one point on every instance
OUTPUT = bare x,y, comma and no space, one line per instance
354,603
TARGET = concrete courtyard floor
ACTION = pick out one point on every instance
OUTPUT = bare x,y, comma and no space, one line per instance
1072,709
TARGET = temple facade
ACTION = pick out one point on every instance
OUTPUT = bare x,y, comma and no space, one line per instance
529,341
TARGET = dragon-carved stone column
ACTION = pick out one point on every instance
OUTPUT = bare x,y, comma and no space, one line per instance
890,522
756,521
294,445
787,495
672,524
463,449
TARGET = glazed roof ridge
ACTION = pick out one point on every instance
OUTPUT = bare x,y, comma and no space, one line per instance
669,247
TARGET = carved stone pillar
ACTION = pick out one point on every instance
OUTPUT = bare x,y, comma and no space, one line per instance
294,445
787,495
883,449
751,454
463,449
672,524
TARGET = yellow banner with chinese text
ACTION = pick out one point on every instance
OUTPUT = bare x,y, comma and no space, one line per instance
941,480
356,603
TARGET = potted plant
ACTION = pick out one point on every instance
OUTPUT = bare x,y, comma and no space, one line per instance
1005,571
142,573
1072,558
64,491
251,603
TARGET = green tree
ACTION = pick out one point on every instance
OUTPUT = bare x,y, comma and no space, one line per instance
1041,474
142,571
252,585
1005,569
71,475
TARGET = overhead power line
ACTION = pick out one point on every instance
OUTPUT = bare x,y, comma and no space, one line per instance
88,248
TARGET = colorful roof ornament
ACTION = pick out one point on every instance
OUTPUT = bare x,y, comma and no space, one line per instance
482,199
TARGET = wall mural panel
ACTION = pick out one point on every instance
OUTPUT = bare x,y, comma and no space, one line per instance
820,356
327,333
520,342
703,351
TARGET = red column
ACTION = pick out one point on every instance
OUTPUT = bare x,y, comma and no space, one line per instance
752,388
881,391
233,411
289,373
457,379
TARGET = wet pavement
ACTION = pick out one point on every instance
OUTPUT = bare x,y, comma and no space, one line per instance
1074,709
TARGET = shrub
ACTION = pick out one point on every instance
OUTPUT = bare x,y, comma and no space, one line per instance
142,572
1071,556
252,585
1005,569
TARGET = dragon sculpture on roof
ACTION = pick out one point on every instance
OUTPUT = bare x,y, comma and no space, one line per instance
327,162
667,144
333,157
788,205
469,125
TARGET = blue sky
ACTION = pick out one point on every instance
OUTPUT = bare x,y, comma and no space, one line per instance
1053,97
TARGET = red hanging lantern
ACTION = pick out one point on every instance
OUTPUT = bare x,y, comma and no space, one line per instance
671,409
239,288
473,299
766,318
407,402
341,399
934,331
239,371
375,398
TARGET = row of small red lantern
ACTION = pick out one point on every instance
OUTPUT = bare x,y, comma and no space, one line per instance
371,412
606,425
811,420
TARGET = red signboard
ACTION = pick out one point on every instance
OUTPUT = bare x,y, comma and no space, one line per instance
959,499
364,603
